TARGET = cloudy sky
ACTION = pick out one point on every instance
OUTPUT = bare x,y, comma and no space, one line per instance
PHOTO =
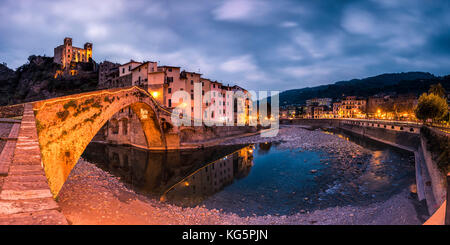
258,44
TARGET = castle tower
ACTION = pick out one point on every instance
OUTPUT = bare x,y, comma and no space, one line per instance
66,54
88,49
67,41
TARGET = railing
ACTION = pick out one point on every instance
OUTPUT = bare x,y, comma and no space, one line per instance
447,209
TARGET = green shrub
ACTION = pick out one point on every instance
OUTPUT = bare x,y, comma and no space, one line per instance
63,115
69,104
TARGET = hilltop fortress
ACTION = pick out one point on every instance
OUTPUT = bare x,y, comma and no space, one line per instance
65,54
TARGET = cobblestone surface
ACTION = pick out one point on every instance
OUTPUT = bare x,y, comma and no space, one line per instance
25,197
5,128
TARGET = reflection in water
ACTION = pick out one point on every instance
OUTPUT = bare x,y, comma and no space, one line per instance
189,176
211,178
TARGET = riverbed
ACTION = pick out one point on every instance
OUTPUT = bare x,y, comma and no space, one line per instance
329,179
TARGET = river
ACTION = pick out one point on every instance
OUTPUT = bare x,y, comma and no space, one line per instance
262,178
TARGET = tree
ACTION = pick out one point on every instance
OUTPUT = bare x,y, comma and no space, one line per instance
431,106
437,89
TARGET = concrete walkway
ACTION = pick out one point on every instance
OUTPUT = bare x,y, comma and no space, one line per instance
25,198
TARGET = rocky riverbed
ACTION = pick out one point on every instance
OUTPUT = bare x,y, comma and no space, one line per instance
93,196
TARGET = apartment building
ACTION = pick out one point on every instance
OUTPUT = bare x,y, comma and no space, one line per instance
352,107
125,71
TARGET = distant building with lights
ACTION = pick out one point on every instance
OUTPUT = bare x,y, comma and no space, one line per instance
350,107
319,102
398,107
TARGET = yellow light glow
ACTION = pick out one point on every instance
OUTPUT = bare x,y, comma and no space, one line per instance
155,94
186,183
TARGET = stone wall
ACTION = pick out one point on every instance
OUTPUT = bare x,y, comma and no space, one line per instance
11,111
204,133
311,122
401,139
435,149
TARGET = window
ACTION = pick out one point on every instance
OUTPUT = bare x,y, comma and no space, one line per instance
170,69
192,96
114,126
192,82
170,102
125,126
203,92
123,70
203,84
169,90
129,68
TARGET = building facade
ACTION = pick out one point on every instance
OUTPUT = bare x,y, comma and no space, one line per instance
352,107
66,54
319,102
108,75
392,107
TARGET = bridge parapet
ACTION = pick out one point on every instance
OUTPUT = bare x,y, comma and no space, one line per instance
25,197
11,111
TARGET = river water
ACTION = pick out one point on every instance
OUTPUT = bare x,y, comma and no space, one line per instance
260,179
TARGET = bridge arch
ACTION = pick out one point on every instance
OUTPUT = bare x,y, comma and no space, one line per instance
66,125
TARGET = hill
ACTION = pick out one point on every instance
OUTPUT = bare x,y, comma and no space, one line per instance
399,83
36,80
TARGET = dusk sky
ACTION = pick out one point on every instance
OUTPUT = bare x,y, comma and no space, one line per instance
257,44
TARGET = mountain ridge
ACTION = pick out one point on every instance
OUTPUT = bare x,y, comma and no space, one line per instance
399,83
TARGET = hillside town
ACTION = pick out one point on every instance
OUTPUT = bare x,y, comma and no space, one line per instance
381,106
161,81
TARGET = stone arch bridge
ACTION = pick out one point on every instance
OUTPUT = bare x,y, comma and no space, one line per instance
43,147
66,125
45,144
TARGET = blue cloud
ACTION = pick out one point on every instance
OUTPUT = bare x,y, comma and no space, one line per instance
257,44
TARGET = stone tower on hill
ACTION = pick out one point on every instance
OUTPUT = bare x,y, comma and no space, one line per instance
66,54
